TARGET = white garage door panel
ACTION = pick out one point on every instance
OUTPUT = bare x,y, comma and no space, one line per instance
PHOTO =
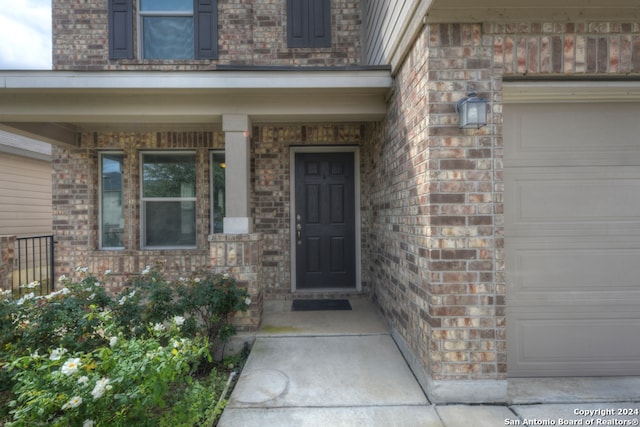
598,273
573,344
573,200
572,134
572,239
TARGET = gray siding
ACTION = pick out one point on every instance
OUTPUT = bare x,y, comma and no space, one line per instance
25,195
384,25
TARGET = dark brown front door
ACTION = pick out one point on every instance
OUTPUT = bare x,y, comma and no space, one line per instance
325,221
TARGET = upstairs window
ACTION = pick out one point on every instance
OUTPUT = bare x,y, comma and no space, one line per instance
167,29
309,23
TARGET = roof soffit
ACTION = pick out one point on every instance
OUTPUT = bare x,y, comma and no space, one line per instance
29,100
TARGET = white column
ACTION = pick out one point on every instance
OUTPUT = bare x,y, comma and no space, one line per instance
237,136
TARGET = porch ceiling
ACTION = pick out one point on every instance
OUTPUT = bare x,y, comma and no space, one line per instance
441,11
53,106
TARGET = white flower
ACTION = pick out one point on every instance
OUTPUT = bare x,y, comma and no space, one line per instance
225,276
62,278
74,402
113,341
158,327
100,387
57,353
83,380
88,423
52,294
179,320
132,293
32,285
146,270
96,284
63,291
247,301
91,297
26,297
82,269
122,300
71,366
196,280
107,272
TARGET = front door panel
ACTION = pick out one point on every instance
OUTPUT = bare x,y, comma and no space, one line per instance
325,221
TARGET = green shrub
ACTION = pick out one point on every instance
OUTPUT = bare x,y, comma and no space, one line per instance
210,300
205,300
80,356
122,384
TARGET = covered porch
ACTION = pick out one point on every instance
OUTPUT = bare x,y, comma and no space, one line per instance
256,117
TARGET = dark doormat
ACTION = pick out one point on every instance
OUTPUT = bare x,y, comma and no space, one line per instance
320,305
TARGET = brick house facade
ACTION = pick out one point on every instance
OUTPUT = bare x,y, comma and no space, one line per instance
431,209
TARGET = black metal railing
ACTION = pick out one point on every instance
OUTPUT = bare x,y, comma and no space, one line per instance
34,263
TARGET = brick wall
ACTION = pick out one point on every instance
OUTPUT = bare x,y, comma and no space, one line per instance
250,32
76,198
7,249
240,255
436,238
76,203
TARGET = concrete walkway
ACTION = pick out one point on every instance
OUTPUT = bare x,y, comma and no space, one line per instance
342,368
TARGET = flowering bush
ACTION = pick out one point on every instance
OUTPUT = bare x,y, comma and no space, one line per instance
79,356
205,303
116,384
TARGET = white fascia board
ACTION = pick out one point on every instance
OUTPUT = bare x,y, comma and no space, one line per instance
567,91
256,80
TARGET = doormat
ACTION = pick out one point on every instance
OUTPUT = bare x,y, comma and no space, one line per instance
320,305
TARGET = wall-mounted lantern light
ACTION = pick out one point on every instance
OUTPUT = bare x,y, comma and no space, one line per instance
472,112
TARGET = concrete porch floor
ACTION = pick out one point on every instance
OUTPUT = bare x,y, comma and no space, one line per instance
342,368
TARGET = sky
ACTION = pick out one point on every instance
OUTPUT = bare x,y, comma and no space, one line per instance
25,34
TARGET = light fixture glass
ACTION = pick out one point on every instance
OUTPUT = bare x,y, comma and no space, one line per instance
472,112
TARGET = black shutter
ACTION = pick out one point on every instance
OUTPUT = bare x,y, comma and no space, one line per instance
298,23
320,23
206,28
309,23
121,29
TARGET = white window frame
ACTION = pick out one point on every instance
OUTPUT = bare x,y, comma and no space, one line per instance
212,189
143,200
159,13
100,197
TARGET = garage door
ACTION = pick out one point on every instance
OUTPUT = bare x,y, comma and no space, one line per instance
572,238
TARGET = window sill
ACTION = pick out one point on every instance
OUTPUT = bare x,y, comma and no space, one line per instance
148,251
166,61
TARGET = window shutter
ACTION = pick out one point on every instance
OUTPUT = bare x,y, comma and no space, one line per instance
121,29
320,23
309,23
206,29
298,23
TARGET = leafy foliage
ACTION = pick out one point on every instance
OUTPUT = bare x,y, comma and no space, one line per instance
80,356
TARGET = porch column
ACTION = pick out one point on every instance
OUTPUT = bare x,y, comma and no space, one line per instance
237,131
